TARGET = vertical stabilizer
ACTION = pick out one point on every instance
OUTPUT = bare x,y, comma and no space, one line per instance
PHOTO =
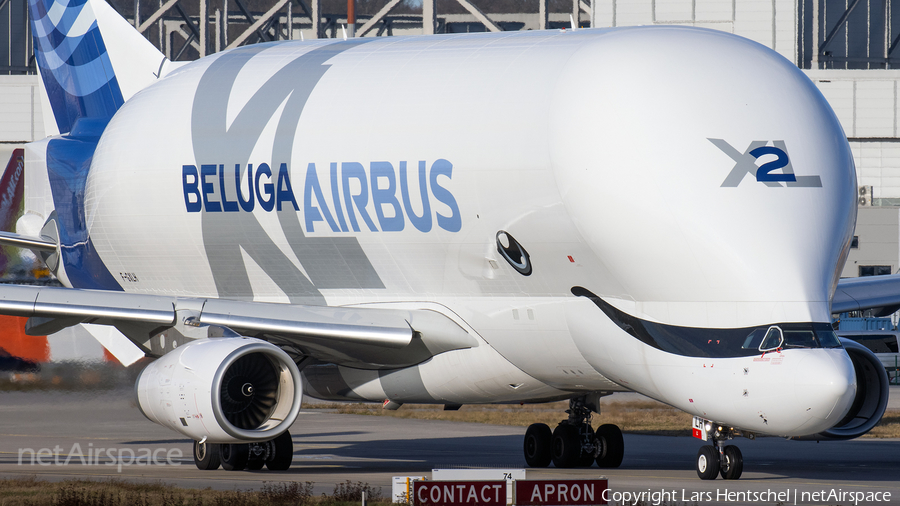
11,190
90,59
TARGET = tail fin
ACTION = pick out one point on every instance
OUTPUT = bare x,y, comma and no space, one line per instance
12,183
90,59
11,190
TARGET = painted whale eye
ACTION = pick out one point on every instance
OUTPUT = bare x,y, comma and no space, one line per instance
514,253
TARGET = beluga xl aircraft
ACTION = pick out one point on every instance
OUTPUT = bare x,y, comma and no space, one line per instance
516,218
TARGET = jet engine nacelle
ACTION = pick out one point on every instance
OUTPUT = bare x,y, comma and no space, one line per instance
872,388
228,390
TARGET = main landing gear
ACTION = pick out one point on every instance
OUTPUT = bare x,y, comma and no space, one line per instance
574,443
717,459
276,454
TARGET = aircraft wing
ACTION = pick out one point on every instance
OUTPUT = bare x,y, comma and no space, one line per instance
868,292
361,337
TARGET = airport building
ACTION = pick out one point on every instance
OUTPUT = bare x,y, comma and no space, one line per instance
848,48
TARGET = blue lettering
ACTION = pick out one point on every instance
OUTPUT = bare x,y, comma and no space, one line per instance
356,171
191,188
311,212
764,173
269,189
208,188
285,192
334,196
386,196
202,193
228,206
453,223
422,223
246,205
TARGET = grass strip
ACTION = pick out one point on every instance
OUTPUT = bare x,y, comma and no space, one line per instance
30,491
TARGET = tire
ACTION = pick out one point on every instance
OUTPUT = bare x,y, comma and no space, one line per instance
537,445
206,456
565,446
612,446
234,456
708,462
283,454
733,466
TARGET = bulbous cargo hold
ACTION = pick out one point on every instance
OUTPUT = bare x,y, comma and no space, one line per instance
222,390
648,138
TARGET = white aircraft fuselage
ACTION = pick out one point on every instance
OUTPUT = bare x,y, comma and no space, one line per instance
600,209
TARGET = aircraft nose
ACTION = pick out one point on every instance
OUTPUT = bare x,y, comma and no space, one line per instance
824,386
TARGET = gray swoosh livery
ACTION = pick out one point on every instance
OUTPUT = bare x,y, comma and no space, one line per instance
329,262
710,292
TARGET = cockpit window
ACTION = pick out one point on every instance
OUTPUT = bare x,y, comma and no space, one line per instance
718,343
754,339
800,339
774,339
828,339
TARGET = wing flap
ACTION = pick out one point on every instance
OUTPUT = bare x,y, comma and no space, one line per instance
363,337
370,327
66,303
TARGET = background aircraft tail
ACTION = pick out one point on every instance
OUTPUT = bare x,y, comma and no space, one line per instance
90,59
11,184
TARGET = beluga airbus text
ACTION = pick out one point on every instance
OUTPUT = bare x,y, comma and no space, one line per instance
480,242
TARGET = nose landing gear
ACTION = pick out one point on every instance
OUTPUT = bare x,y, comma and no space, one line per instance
717,459
574,443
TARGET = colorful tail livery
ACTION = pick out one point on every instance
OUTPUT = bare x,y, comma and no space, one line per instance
90,59
11,184
11,190
91,62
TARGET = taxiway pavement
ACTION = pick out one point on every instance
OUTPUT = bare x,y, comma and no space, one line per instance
331,448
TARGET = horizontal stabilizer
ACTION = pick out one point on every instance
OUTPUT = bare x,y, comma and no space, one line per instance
21,241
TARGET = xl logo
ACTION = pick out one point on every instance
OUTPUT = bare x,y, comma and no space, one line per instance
746,163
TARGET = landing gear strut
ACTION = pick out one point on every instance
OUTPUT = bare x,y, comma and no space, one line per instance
276,454
717,459
574,443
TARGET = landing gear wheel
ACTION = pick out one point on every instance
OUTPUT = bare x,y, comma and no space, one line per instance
257,454
733,465
206,456
234,456
612,446
708,462
283,447
537,445
585,459
565,446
